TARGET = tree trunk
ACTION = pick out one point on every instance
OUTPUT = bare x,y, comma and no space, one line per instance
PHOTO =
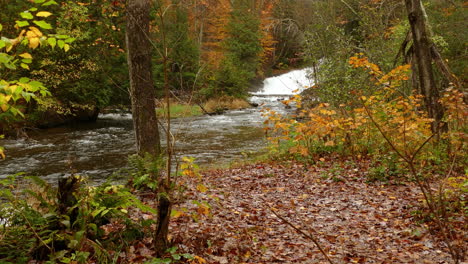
161,242
142,90
422,49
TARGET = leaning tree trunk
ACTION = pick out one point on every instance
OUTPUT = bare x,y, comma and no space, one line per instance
142,90
423,59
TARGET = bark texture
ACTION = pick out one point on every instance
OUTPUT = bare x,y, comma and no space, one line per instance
142,90
164,214
423,59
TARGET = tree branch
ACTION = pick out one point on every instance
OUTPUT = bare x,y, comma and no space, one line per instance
304,234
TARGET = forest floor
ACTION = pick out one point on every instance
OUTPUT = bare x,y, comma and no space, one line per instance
354,221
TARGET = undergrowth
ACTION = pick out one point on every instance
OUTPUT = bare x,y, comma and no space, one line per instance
393,130
77,223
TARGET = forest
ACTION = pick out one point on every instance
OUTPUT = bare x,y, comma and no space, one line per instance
233,131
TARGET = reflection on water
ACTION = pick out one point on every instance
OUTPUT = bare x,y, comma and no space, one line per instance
99,149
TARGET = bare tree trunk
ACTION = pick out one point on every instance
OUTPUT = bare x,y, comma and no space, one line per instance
161,242
142,91
422,49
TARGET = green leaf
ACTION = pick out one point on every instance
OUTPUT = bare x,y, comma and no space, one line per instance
1,27
24,66
35,85
21,23
15,111
61,43
2,44
42,24
97,211
39,1
26,15
65,223
62,36
73,243
93,227
26,60
52,42
51,2
65,260
33,9
187,256
104,212
24,80
27,96
172,250
70,40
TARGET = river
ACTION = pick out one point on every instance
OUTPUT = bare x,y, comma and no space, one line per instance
97,150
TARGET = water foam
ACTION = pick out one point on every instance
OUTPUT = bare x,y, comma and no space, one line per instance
286,84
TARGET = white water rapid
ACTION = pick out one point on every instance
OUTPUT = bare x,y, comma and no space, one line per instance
286,84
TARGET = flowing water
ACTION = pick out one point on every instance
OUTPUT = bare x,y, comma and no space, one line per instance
99,149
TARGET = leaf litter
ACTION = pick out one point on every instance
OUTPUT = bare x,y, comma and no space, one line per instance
354,221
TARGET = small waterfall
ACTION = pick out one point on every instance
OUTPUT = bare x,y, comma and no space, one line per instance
286,84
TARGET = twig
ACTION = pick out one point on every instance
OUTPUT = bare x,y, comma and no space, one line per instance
420,181
304,234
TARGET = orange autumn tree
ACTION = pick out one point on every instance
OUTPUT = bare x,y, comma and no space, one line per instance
213,34
267,39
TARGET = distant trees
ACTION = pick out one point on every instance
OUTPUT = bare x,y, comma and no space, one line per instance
381,30
242,48
174,39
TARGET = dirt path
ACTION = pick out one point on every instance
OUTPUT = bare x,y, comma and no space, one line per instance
355,222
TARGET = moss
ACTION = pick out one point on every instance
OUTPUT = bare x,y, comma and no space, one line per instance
179,110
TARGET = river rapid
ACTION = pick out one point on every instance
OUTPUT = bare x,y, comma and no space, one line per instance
98,150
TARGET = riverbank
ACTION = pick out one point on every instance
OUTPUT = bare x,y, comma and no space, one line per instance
213,106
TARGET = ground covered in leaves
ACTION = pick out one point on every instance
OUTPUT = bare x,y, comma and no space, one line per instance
354,221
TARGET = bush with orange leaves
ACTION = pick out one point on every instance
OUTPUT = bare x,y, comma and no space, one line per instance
385,122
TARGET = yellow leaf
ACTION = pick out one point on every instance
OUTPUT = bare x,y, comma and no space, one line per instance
203,210
177,214
4,107
30,34
66,47
198,260
43,14
33,43
7,98
12,88
201,188
9,47
36,31
26,55
2,153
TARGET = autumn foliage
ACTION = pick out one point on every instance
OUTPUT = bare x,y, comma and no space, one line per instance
393,130
354,128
